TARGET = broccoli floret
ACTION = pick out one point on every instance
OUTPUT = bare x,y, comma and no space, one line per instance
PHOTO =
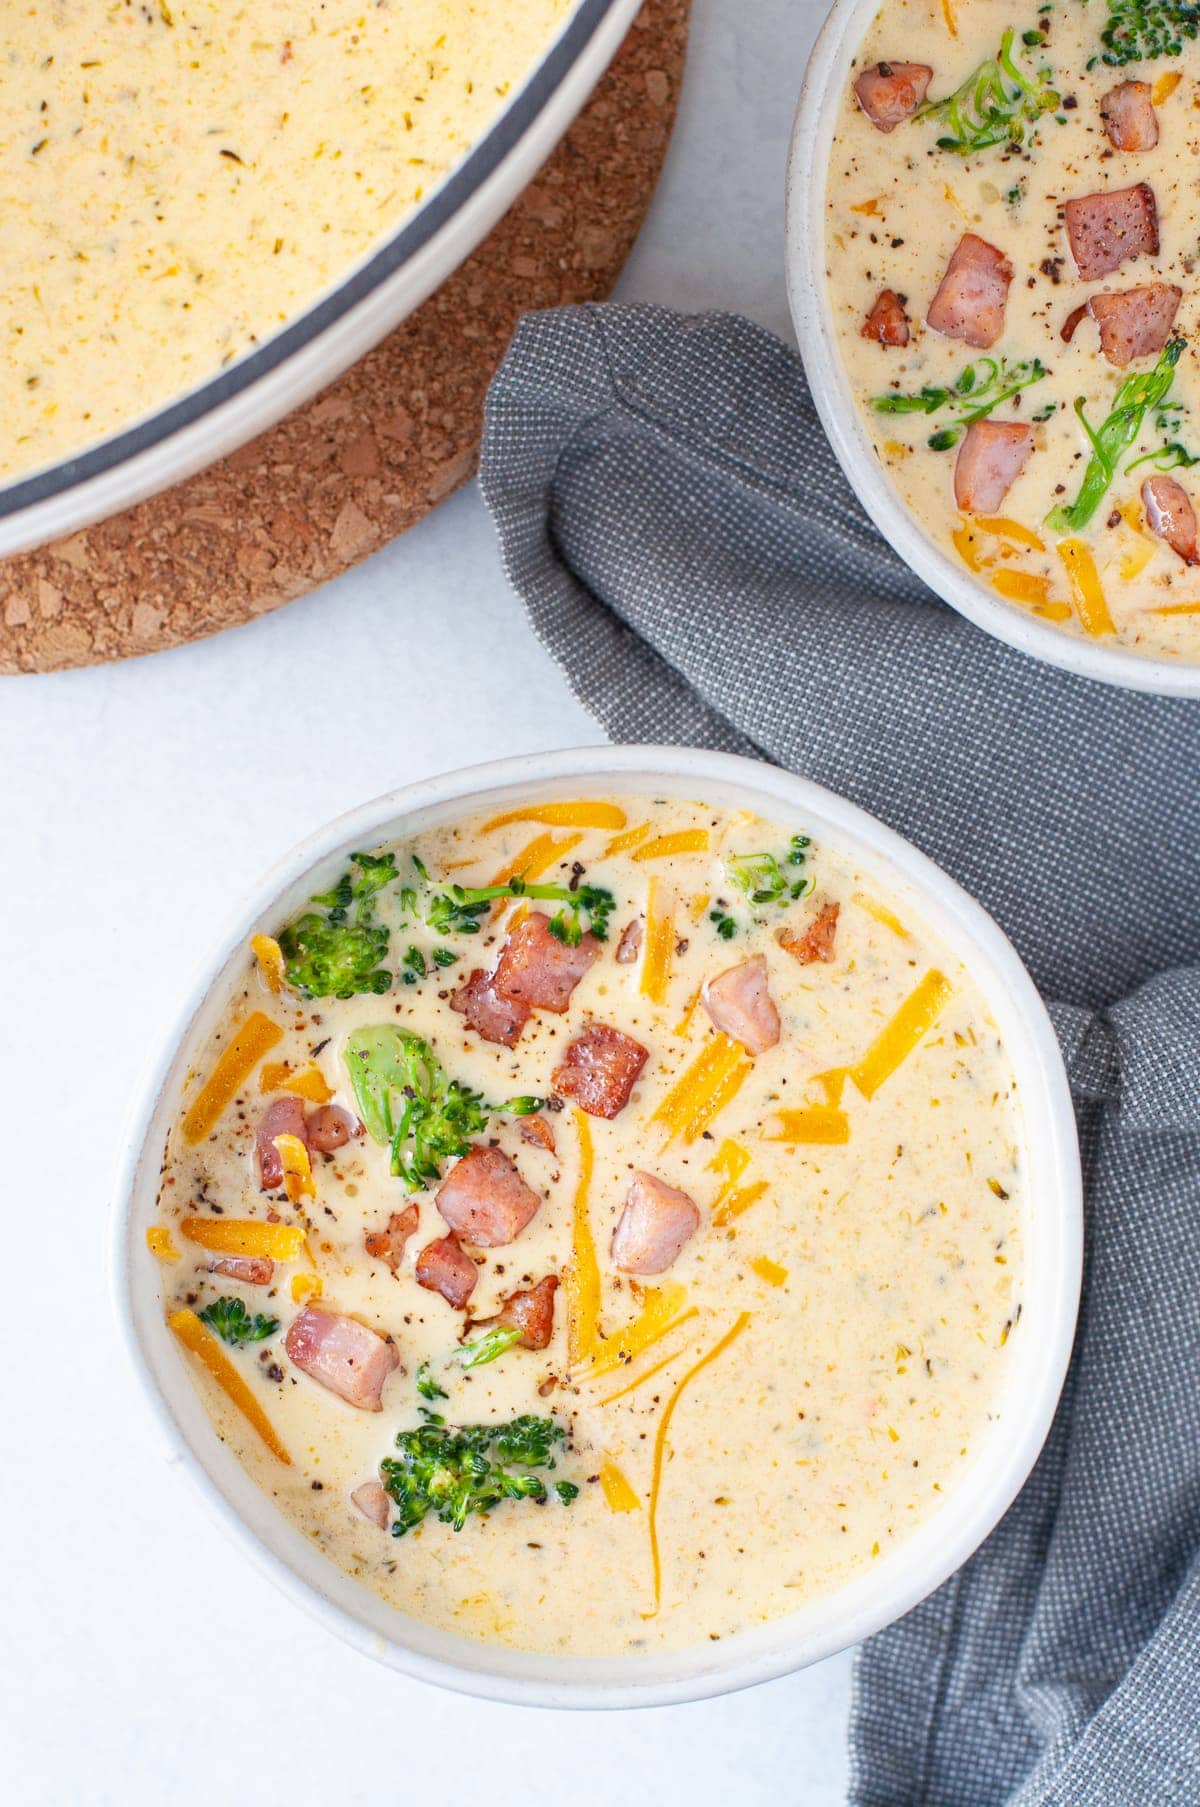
338,953
1138,31
453,1472
407,1099
233,1323
460,909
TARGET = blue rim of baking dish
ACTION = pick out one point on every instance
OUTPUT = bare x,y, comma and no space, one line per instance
475,168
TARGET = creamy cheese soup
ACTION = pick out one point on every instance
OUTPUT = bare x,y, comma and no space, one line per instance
1012,225
633,1252
180,177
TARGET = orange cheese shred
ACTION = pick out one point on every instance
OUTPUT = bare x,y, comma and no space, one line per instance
668,846
160,1243
244,1236
659,947
619,1496
703,1090
1165,86
1008,529
659,1315
769,1270
537,857
1086,588
621,843
254,1038
581,1281
896,1041
200,1342
589,813
309,1082
298,1179
271,964
819,1123
660,1445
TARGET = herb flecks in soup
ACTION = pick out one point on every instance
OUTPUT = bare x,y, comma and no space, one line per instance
177,181
622,1190
1011,231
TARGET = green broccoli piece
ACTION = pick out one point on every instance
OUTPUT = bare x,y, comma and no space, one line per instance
453,1472
337,954
427,1386
487,1348
234,1325
1138,31
1134,398
408,1100
461,909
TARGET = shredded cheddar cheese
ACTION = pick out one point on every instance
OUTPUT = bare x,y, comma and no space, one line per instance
911,1023
256,1036
201,1343
244,1236
592,813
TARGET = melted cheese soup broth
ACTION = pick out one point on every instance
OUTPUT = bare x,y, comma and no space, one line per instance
898,204
178,180
809,1377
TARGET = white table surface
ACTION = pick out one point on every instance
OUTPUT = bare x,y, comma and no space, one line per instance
141,1658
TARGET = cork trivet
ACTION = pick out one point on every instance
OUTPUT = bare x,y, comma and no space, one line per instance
384,444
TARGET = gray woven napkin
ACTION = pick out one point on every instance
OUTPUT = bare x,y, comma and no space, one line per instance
689,552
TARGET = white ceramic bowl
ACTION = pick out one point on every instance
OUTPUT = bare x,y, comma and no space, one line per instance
342,325
1041,1350
825,81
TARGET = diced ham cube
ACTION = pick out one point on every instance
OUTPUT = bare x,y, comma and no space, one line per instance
973,294
338,1352
495,1018
485,1199
890,93
330,1127
630,944
817,940
538,1132
538,970
1135,323
599,1069
1129,117
389,1245
887,321
1106,230
1171,516
282,1117
372,1502
251,1270
531,1311
654,1226
443,1267
739,1004
988,464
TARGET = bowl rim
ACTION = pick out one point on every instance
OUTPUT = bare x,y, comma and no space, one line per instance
925,1559
343,322
804,237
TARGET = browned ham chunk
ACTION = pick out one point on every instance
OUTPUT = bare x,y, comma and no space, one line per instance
1106,230
887,321
330,1127
739,1004
485,1199
494,1018
537,969
282,1117
1129,117
531,1311
443,1267
988,464
1135,323
890,93
817,940
372,1502
599,1069
350,1359
253,1270
656,1222
389,1245
630,944
1171,516
537,1131
973,294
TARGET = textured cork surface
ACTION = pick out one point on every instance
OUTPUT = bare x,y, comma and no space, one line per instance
384,444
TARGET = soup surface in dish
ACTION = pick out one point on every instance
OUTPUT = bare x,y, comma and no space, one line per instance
665,1232
1011,243
178,180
